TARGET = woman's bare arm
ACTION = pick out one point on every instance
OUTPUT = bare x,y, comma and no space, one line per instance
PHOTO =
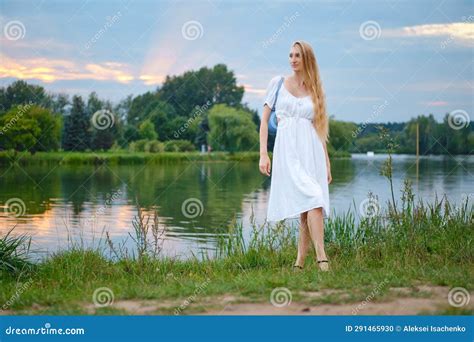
328,163
327,155
264,130
264,164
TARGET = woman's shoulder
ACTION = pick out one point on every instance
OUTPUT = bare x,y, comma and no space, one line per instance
274,80
277,77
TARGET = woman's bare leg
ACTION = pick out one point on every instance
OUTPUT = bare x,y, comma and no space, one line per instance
303,241
316,231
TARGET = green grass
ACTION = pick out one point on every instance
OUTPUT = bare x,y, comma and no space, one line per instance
126,158
422,244
14,253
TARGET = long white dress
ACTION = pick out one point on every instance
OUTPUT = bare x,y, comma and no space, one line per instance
298,173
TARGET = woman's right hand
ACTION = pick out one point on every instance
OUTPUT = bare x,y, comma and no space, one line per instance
265,164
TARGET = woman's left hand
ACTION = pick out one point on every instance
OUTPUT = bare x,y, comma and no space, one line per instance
329,176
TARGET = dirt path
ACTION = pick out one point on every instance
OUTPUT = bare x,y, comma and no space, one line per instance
428,300
422,299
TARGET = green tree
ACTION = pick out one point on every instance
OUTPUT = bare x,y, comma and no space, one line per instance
162,115
22,93
140,107
232,130
196,88
59,103
369,142
30,128
173,105
341,137
76,134
130,134
456,136
103,123
147,130
123,108
429,135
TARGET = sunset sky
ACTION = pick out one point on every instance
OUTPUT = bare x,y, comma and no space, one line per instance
379,60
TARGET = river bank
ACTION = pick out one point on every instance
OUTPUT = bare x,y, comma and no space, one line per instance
416,261
125,157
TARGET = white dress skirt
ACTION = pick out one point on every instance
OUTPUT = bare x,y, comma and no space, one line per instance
298,173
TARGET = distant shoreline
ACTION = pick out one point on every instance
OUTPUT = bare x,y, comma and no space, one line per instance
125,157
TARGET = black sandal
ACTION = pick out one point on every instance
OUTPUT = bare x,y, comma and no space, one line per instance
323,269
297,266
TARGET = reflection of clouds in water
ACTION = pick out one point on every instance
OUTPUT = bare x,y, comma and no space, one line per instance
52,230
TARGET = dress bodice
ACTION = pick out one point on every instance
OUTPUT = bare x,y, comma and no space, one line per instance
287,105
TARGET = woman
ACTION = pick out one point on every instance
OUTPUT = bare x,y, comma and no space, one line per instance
301,167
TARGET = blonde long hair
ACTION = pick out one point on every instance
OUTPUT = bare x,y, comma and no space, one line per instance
312,81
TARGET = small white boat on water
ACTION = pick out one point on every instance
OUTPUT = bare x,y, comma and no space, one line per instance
370,153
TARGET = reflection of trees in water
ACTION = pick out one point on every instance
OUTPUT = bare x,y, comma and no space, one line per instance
219,188
41,185
31,186
436,172
343,171
87,184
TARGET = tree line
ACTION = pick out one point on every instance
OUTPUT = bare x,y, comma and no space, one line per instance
202,107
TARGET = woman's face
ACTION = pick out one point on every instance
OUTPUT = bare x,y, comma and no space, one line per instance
295,58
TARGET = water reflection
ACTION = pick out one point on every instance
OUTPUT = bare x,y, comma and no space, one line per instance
82,202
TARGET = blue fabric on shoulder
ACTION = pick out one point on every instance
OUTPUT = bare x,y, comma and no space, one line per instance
273,122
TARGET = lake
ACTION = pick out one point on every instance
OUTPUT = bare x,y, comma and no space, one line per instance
195,201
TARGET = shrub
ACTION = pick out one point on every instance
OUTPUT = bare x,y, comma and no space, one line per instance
154,146
145,145
179,145
137,146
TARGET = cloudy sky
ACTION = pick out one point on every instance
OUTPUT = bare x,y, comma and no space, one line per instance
379,60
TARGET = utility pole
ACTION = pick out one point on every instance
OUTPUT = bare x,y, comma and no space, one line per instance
417,153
